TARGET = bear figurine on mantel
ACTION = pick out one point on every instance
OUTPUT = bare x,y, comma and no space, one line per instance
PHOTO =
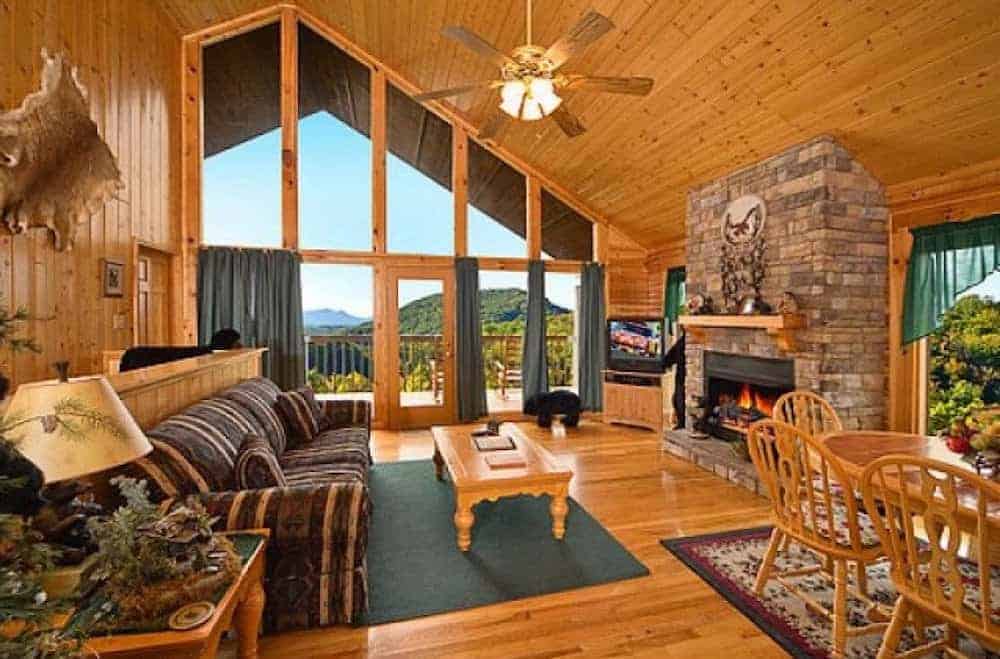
55,169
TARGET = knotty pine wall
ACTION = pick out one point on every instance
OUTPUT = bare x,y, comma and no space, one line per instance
128,56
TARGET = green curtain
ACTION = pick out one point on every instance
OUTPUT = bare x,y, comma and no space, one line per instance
534,362
257,292
673,296
471,380
592,332
947,260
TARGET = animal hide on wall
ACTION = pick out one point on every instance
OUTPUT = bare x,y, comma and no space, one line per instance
55,170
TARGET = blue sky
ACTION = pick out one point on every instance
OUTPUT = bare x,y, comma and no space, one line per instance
990,286
242,206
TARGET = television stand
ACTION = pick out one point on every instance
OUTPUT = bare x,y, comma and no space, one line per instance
635,398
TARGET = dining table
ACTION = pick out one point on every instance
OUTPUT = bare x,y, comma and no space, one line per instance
856,449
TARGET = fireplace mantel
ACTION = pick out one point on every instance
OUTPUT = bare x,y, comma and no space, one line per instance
779,326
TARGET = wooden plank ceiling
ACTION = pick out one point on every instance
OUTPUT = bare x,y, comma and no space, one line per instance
910,86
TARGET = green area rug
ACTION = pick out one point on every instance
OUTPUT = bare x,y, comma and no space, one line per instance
416,569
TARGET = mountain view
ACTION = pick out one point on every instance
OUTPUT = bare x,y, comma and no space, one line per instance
500,307
315,318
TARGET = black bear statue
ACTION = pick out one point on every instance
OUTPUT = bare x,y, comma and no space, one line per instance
548,405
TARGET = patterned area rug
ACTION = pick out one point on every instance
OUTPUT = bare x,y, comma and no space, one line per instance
729,561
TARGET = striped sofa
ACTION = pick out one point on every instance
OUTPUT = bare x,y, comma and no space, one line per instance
316,571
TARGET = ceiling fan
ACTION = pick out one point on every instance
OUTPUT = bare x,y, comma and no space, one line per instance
530,77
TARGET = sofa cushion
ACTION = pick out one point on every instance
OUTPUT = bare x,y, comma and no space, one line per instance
300,412
257,466
258,396
334,456
201,443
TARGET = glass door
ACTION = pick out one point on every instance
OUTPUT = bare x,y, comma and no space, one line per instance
420,326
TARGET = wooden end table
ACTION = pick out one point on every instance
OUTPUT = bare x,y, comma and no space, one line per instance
241,608
474,480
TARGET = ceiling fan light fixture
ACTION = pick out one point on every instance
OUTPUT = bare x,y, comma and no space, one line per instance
532,110
549,103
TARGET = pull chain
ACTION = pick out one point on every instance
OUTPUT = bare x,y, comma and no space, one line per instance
528,21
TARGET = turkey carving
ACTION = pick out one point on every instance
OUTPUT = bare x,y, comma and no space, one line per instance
55,170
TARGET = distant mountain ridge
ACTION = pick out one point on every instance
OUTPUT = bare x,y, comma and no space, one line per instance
497,305
331,318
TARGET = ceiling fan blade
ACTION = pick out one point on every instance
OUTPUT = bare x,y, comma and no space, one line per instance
477,44
493,125
568,122
588,29
452,91
636,86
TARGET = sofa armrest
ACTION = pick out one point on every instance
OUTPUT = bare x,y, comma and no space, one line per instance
336,414
316,569
329,517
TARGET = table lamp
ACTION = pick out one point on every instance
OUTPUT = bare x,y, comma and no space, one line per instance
71,428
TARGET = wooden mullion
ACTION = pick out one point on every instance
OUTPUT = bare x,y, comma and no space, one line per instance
289,130
460,188
191,159
379,236
600,243
533,202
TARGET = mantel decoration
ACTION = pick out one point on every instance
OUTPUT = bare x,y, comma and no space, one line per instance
743,255
55,169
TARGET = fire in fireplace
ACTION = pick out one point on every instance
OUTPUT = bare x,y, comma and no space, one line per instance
742,390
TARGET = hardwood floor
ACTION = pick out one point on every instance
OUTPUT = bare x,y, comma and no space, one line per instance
641,495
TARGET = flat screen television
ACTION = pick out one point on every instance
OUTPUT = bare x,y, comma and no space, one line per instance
635,344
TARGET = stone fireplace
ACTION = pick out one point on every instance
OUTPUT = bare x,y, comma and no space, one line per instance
742,389
826,242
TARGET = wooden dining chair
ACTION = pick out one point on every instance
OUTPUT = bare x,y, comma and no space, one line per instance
807,411
921,509
790,462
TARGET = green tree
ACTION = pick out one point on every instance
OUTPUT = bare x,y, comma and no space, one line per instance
964,361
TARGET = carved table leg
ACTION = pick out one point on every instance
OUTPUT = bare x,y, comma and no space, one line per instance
248,616
464,520
558,508
438,464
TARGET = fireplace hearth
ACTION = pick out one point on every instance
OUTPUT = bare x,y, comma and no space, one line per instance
741,390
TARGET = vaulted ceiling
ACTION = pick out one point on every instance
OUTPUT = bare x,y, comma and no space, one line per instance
910,86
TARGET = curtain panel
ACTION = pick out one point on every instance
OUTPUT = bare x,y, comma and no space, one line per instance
947,259
593,337
673,296
534,362
257,292
471,379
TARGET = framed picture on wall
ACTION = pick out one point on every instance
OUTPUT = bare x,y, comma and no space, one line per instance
113,278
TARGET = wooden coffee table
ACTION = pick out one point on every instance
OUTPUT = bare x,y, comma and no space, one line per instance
476,481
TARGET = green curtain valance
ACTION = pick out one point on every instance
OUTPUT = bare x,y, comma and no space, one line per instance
674,294
947,260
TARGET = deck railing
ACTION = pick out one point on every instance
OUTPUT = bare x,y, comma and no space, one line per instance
340,364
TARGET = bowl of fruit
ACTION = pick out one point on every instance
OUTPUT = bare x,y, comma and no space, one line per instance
959,436
986,443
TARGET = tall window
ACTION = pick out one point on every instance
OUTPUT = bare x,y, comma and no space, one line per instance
241,173
565,233
503,302
419,207
337,308
335,184
964,364
562,295
497,214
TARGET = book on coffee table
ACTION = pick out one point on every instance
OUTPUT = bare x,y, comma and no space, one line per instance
505,460
494,443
